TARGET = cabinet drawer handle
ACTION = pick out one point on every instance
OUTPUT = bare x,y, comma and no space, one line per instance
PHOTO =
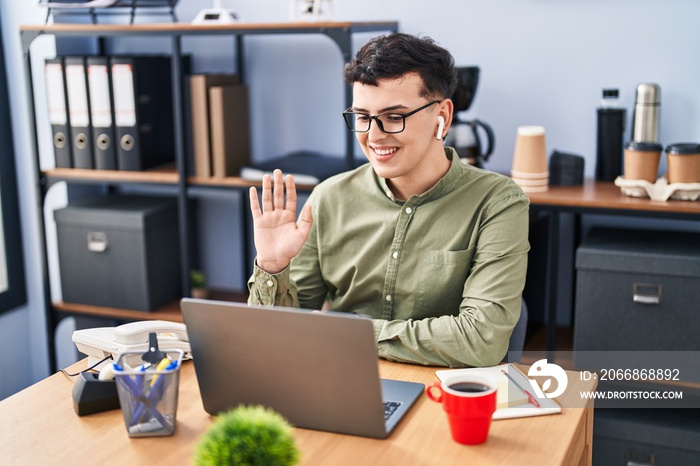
647,293
97,241
638,458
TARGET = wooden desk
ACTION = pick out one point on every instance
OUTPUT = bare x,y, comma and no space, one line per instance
606,198
594,197
39,426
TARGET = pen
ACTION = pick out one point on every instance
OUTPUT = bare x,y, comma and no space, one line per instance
162,365
531,398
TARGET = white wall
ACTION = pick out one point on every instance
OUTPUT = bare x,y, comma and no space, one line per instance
542,62
23,349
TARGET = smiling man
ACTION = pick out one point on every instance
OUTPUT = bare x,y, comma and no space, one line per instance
431,249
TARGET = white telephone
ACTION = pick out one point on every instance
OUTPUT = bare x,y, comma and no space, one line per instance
99,343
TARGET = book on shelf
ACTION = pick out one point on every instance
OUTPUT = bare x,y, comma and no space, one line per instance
230,131
198,90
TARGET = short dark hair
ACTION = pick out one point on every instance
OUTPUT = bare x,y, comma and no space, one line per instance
394,55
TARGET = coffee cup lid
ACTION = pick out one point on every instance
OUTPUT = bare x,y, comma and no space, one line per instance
683,148
531,130
644,146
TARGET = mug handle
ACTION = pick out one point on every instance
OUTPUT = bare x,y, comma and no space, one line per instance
490,139
431,395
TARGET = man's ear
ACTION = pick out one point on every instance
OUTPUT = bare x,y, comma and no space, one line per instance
446,111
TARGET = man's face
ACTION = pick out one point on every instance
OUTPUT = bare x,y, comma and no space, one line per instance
404,157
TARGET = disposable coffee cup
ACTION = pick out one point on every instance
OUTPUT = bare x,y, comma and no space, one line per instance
530,154
469,401
683,163
530,170
642,160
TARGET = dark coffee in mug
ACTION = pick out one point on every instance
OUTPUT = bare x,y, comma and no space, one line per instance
469,387
469,401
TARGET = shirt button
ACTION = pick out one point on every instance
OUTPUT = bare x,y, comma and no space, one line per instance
408,210
388,297
395,255
270,283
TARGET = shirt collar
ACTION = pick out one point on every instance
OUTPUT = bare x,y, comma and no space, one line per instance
444,184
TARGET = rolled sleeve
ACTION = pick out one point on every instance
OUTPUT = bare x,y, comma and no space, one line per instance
271,289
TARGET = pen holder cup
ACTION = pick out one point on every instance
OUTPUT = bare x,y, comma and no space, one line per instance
148,393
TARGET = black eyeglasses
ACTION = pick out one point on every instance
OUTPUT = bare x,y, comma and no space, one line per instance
390,123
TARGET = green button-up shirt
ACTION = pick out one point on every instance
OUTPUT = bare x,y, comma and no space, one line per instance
440,274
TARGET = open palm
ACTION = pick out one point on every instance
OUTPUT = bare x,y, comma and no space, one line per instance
278,238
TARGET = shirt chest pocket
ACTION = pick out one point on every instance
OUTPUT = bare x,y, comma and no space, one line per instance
441,281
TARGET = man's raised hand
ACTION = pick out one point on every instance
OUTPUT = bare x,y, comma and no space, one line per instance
278,238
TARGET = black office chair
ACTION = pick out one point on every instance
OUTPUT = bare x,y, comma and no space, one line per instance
517,338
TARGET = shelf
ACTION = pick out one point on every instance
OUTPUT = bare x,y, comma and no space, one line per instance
605,196
165,174
195,29
314,165
170,312
236,182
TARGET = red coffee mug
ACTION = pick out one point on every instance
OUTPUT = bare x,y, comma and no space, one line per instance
470,401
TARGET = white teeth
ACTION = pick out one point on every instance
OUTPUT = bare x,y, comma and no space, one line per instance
385,151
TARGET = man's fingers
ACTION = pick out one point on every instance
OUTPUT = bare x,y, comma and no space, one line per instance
266,193
254,203
306,221
278,192
273,196
291,194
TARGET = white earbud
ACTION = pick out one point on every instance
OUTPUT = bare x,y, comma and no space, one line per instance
441,126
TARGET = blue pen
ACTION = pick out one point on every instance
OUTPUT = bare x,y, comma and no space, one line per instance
149,404
134,387
155,394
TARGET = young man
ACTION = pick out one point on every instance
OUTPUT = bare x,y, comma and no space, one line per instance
433,250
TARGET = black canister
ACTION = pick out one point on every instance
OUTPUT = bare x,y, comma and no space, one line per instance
610,133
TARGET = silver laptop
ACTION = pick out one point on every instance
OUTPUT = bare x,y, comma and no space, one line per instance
319,371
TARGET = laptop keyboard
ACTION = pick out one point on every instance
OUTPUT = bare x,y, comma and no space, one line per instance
390,408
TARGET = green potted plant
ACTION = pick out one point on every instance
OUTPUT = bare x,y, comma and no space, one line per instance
247,436
198,284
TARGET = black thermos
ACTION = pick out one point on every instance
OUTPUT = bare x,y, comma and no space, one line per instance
611,127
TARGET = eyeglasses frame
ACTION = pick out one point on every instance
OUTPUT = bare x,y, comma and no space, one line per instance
379,123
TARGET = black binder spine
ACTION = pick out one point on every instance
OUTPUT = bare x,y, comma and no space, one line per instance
101,112
79,111
143,109
58,111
